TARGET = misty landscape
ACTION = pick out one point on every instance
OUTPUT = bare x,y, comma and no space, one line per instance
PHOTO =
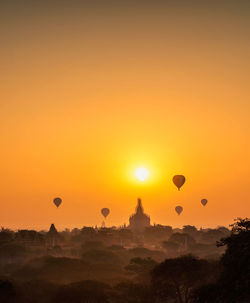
125,143
116,265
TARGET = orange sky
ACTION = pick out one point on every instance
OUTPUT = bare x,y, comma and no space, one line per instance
90,90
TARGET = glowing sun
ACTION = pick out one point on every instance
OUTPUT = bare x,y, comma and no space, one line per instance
141,173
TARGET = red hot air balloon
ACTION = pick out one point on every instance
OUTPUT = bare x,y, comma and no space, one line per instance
57,201
179,180
204,202
179,209
105,212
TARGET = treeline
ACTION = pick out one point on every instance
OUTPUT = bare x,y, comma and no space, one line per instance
100,272
170,242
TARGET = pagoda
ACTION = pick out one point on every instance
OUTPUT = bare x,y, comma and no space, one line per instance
139,221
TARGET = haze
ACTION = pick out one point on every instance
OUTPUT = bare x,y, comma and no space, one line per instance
92,90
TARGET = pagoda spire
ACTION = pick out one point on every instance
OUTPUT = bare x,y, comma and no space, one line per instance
139,208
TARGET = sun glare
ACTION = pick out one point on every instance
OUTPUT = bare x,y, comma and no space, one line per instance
141,173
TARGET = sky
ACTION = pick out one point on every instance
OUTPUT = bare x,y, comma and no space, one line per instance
92,90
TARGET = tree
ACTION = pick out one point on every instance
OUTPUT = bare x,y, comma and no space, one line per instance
233,285
128,292
170,247
36,291
7,292
206,294
189,229
142,267
211,236
157,233
11,250
88,231
6,235
82,292
184,241
89,245
235,277
176,278
97,256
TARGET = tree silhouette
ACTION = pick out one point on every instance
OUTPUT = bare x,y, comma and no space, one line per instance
7,292
82,292
176,278
235,277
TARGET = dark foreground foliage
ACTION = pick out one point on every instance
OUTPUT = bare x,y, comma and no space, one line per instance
113,274
233,284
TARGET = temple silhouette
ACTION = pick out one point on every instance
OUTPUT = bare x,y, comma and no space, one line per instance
52,236
139,221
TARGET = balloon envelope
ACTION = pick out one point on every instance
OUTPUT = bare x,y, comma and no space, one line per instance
179,180
204,202
179,209
105,212
57,201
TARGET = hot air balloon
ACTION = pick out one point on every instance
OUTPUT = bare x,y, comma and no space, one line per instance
204,202
179,209
179,180
57,201
105,212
